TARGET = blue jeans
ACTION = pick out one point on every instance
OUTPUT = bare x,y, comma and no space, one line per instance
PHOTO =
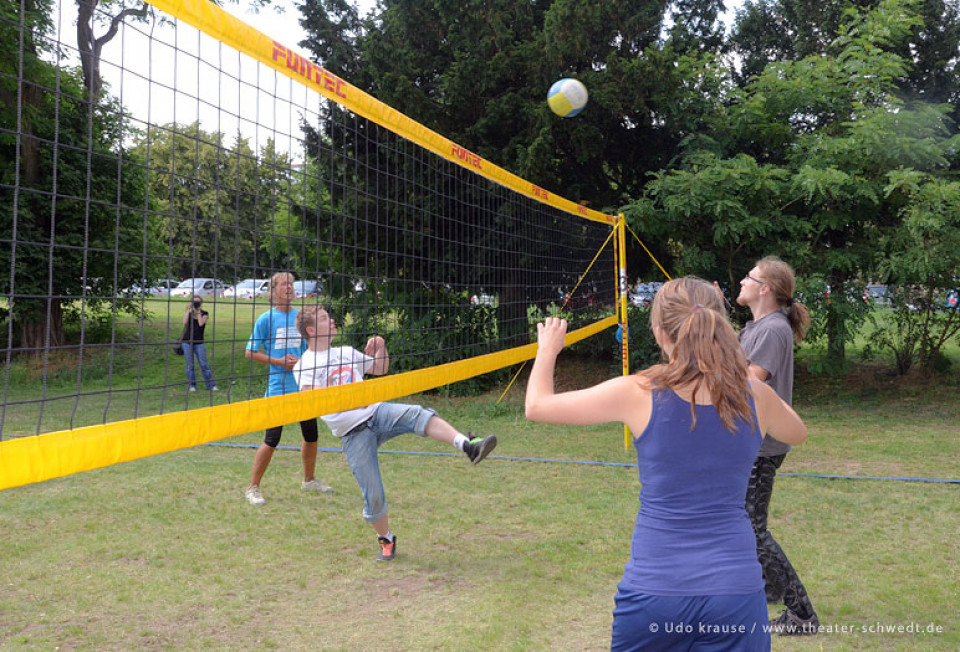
361,445
200,349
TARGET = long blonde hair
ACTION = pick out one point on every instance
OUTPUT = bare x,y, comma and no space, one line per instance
706,351
781,280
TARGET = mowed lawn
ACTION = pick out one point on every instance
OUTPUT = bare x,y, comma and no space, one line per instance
516,553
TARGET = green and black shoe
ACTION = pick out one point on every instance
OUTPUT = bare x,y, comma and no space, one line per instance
479,447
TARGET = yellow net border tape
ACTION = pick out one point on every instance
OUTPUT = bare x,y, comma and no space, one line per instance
217,23
54,455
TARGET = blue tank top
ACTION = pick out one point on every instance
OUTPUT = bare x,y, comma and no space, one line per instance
693,535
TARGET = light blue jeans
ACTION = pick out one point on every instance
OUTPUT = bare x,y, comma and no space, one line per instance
189,349
361,447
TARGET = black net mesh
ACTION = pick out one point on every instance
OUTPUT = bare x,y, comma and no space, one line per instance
177,158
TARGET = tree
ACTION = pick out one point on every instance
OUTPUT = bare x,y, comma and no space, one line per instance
822,134
768,31
719,215
217,202
921,259
90,46
935,53
71,199
478,72
299,226
771,31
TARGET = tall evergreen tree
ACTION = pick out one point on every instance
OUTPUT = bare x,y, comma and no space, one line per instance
478,72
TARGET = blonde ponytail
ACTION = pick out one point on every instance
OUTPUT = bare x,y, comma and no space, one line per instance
706,351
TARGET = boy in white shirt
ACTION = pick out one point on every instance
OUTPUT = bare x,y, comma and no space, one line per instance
363,430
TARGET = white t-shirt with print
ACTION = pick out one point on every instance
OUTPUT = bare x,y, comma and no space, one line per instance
339,365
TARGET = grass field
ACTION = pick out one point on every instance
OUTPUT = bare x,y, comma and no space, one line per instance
139,377
164,553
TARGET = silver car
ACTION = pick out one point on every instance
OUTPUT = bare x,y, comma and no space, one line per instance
207,288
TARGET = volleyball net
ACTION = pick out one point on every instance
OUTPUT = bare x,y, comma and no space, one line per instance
215,156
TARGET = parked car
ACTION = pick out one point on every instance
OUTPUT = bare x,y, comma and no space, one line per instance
201,287
146,288
483,299
250,288
642,295
307,289
876,294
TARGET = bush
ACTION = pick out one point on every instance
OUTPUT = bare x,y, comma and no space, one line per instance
837,316
914,330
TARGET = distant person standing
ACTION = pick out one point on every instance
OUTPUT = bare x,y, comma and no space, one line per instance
276,342
768,339
194,322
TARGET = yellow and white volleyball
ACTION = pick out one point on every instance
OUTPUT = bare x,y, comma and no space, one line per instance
567,97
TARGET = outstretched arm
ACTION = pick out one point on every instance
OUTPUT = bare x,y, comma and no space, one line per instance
376,348
624,399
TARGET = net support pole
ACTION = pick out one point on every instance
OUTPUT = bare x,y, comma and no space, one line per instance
621,258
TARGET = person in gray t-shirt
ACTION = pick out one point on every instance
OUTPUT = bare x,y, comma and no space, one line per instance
768,342
778,322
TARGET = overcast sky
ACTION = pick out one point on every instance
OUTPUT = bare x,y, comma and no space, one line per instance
194,78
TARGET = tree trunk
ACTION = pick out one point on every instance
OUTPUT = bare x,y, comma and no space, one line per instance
31,315
87,45
40,321
90,46
836,328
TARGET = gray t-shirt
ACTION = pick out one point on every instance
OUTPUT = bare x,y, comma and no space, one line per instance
768,343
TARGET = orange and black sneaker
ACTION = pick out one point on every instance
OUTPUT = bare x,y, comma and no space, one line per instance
388,549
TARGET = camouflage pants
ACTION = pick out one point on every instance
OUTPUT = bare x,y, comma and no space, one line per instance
782,580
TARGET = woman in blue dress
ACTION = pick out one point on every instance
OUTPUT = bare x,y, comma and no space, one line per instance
693,580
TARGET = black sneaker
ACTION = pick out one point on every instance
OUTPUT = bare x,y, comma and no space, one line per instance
478,448
388,549
790,624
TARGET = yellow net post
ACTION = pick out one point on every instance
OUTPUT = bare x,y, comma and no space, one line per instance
621,257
